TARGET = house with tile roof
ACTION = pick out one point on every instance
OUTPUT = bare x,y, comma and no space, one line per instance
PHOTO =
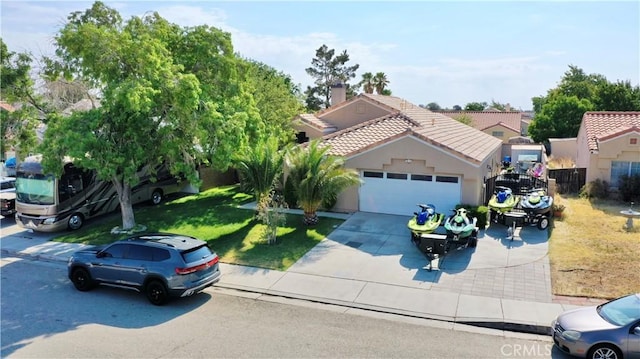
405,154
501,124
608,145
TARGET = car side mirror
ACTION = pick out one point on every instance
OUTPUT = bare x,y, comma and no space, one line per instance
100,255
636,331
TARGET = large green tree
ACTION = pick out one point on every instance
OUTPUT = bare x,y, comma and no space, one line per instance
547,123
276,97
168,95
327,69
317,177
560,112
16,87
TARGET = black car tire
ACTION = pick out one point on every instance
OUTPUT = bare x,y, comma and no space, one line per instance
75,221
156,197
81,279
604,351
156,292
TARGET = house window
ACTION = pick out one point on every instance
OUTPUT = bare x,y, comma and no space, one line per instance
497,133
373,174
421,178
633,141
402,176
447,179
623,168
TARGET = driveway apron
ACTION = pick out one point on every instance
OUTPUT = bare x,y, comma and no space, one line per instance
376,248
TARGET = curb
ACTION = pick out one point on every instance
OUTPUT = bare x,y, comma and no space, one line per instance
504,326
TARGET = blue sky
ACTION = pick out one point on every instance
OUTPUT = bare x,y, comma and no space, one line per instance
451,53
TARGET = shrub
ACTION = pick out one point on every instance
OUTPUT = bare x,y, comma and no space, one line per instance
480,212
290,194
595,189
630,188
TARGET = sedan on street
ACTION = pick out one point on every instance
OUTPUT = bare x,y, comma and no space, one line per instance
610,330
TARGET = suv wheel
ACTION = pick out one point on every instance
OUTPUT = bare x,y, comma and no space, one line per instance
81,279
156,292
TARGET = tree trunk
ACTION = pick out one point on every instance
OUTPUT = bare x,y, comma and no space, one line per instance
126,207
310,218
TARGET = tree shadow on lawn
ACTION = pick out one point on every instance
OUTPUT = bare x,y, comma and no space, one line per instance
213,216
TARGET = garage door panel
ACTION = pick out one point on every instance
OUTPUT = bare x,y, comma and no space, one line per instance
400,196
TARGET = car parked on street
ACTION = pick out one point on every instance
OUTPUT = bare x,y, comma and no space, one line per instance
610,330
160,265
7,196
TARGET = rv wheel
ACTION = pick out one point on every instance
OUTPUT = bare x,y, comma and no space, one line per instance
156,197
75,221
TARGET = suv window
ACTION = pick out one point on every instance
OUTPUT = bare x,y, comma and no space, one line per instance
160,254
139,253
116,251
196,254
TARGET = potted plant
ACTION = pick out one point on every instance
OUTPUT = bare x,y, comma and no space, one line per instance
558,210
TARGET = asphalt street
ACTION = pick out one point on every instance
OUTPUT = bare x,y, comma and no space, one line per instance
44,316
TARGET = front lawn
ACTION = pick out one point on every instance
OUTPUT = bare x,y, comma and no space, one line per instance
214,216
591,253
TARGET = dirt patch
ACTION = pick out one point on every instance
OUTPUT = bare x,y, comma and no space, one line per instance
591,252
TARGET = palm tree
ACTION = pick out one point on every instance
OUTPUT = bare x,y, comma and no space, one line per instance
260,167
367,82
316,177
380,82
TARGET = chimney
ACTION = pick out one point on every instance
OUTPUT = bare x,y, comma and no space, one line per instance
507,107
338,93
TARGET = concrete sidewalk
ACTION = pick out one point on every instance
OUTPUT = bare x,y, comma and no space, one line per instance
414,301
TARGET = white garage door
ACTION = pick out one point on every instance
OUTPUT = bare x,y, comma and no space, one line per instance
399,193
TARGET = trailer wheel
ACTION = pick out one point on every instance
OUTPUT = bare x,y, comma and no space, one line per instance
473,242
75,221
543,223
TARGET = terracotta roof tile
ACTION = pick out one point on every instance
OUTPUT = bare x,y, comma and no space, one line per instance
361,137
608,124
434,128
485,119
314,121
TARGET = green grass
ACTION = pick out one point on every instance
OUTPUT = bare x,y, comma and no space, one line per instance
214,216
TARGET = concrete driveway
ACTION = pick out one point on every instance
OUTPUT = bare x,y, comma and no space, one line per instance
377,248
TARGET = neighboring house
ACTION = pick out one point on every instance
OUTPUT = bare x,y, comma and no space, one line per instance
564,148
499,124
608,145
404,154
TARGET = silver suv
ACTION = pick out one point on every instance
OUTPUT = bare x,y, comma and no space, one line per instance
161,265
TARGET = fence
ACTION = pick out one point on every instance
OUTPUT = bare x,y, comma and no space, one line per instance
568,180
